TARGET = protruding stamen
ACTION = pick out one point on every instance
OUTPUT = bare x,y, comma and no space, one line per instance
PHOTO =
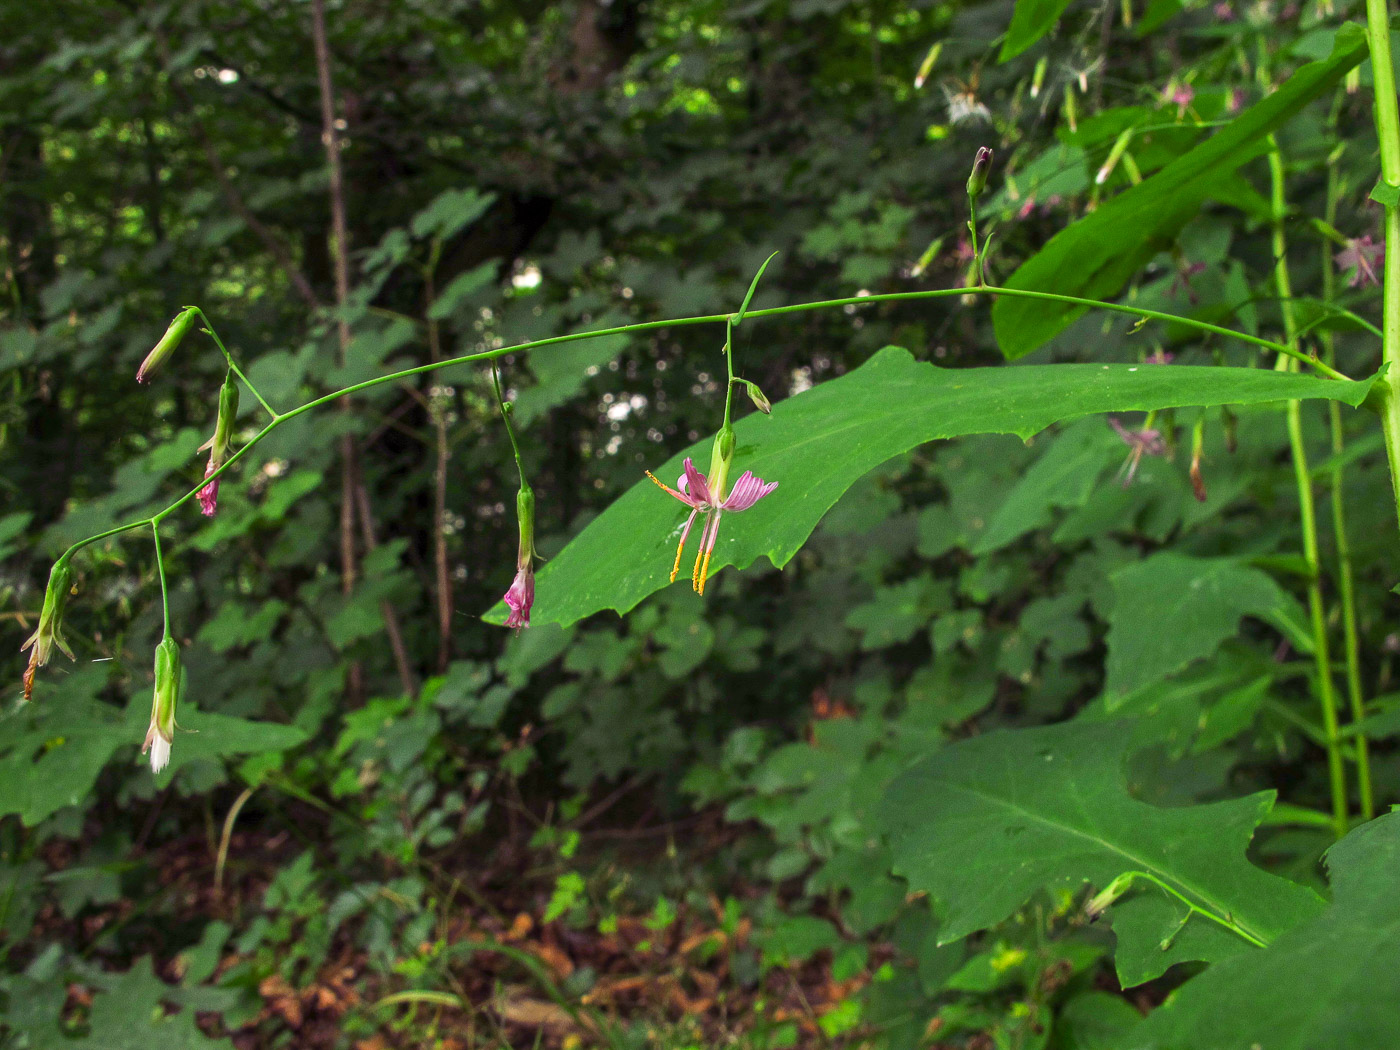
704,574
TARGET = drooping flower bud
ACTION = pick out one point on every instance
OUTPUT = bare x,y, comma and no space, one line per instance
168,342
759,399
1115,889
50,630
161,733
219,444
977,181
521,594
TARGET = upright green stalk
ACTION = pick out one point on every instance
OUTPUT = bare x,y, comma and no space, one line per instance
1326,693
1387,112
510,427
1346,582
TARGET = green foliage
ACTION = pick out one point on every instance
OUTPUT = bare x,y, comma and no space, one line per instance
984,824
1302,991
828,438
1011,658
1093,258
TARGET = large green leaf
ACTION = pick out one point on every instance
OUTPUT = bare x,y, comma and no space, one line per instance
1331,982
1096,256
984,824
817,444
1031,20
1170,609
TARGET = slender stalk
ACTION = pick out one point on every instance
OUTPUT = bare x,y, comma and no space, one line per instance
1307,511
340,256
510,427
1195,909
1346,581
164,593
437,412
209,327
729,367
681,322
1387,113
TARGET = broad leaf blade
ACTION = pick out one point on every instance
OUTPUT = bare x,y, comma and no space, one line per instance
983,825
1095,257
1331,982
1170,609
818,444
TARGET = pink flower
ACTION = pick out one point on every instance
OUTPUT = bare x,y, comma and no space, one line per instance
209,494
521,596
694,491
1143,442
1363,258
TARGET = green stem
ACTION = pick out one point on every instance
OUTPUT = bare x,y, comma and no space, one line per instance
976,252
680,322
160,569
1346,581
729,366
1223,920
510,427
1326,693
233,364
1387,113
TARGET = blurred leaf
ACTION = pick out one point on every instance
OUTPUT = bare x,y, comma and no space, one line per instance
1031,20
1095,257
1170,610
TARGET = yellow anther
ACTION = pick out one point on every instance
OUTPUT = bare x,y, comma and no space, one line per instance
704,574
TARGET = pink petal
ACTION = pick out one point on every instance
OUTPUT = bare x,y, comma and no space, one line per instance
748,490
520,597
696,488
209,494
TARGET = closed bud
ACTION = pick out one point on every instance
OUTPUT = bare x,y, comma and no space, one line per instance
977,181
161,733
168,342
1102,901
49,633
760,401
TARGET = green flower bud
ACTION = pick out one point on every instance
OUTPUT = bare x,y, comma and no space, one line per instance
1115,889
977,181
760,401
161,733
50,630
168,342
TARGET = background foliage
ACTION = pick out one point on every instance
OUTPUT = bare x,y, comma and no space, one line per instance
762,818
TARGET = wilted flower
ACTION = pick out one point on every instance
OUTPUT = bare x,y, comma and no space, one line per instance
50,630
161,733
1182,281
1144,442
1363,258
219,444
521,594
707,497
168,342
